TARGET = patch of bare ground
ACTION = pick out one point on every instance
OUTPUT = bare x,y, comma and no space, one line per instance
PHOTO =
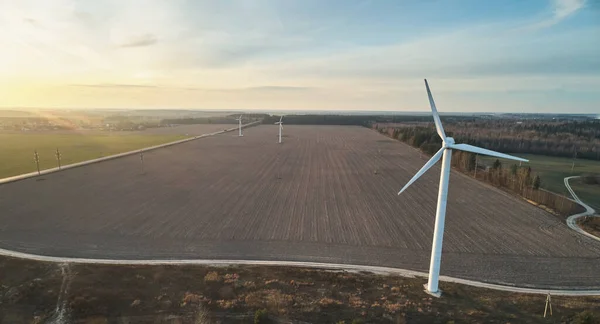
196,294
590,224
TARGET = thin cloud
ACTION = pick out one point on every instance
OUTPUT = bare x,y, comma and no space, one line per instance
31,21
279,88
246,89
139,41
253,89
562,9
114,86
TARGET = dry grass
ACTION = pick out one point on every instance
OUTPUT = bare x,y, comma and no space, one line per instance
590,224
329,302
106,292
212,277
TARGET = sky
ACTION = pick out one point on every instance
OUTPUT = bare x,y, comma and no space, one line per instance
478,56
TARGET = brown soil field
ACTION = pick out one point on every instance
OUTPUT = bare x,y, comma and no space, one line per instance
327,194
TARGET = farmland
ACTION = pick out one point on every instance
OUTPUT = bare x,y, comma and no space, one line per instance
327,194
75,146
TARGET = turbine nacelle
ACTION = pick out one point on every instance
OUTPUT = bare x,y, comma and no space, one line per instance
449,141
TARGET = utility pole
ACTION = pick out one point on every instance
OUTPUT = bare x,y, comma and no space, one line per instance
475,176
548,305
58,157
36,158
142,161
574,158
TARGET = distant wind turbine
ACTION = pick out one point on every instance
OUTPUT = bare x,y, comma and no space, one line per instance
240,125
446,151
280,122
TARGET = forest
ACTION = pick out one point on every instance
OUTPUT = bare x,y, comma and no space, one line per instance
571,138
358,120
562,137
576,137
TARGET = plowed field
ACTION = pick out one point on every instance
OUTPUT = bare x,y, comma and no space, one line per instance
327,194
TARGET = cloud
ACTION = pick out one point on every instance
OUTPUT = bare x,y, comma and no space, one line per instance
561,10
250,90
121,86
31,21
565,8
139,41
279,88
114,86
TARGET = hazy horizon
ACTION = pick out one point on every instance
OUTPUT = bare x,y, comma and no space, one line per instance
266,55
295,112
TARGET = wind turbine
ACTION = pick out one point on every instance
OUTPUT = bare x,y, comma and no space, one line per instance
446,154
280,122
240,125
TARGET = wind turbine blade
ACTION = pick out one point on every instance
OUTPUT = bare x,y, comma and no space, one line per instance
424,169
479,150
280,118
436,116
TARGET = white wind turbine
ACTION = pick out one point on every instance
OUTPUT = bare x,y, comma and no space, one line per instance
280,123
240,125
446,152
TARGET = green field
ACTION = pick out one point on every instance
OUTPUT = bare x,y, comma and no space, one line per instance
553,170
589,194
18,157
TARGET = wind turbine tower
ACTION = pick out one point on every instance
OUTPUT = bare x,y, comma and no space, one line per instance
239,126
280,122
445,153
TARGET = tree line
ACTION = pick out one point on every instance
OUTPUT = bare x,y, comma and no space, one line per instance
514,178
552,136
566,138
357,120
571,138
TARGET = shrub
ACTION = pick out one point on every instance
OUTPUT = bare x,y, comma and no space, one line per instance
590,179
328,302
212,276
261,316
586,317
536,182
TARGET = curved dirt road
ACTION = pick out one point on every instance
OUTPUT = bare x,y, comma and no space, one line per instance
572,220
